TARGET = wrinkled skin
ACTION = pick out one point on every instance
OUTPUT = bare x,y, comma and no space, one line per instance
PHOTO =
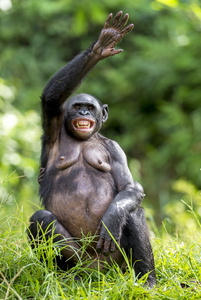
85,183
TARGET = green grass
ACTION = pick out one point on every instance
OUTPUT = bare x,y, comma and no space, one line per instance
24,276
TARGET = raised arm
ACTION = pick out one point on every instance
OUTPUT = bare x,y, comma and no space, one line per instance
66,80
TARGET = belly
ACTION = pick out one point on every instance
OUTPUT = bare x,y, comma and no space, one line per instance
80,198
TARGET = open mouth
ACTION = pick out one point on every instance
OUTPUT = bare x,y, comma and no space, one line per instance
83,124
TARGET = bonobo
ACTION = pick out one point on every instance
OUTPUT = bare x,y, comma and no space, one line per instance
85,184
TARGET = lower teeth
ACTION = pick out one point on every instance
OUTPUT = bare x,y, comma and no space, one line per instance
82,126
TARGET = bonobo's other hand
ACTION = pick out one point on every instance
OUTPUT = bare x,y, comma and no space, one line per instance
41,175
111,222
111,34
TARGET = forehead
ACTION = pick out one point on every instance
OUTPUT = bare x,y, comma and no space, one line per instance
83,99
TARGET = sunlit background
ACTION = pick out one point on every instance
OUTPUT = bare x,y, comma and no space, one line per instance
153,90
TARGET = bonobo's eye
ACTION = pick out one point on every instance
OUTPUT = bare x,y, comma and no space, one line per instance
90,107
76,107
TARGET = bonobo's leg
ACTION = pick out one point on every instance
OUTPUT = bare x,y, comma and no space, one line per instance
136,237
43,222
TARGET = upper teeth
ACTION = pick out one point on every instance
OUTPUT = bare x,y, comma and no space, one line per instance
83,123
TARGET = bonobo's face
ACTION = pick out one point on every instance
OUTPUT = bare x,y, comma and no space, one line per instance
84,116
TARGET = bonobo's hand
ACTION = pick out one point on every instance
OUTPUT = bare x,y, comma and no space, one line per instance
41,175
112,221
111,34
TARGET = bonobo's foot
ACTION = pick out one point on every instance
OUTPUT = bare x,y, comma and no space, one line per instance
151,282
43,223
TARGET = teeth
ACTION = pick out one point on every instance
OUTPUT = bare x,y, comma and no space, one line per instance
83,124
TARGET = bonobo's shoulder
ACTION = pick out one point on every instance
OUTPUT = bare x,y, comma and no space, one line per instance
113,147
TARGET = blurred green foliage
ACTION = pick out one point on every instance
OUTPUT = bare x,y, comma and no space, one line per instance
153,89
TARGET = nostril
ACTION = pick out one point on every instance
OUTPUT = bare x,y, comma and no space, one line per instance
83,112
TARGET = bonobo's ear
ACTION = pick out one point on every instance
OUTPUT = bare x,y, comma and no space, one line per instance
104,112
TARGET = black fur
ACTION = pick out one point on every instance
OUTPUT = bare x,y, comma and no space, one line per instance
81,166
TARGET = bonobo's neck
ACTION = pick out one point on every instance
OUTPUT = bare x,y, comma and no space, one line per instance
73,138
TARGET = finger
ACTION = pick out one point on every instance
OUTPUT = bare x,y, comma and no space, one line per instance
117,18
112,247
111,52
106,249
123,21
100,245
42,171
99,228
107,22
115,51
127,29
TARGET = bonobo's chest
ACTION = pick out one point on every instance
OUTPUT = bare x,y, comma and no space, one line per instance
88,154
81,168
68,152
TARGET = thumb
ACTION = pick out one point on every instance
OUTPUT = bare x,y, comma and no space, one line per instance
111,52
